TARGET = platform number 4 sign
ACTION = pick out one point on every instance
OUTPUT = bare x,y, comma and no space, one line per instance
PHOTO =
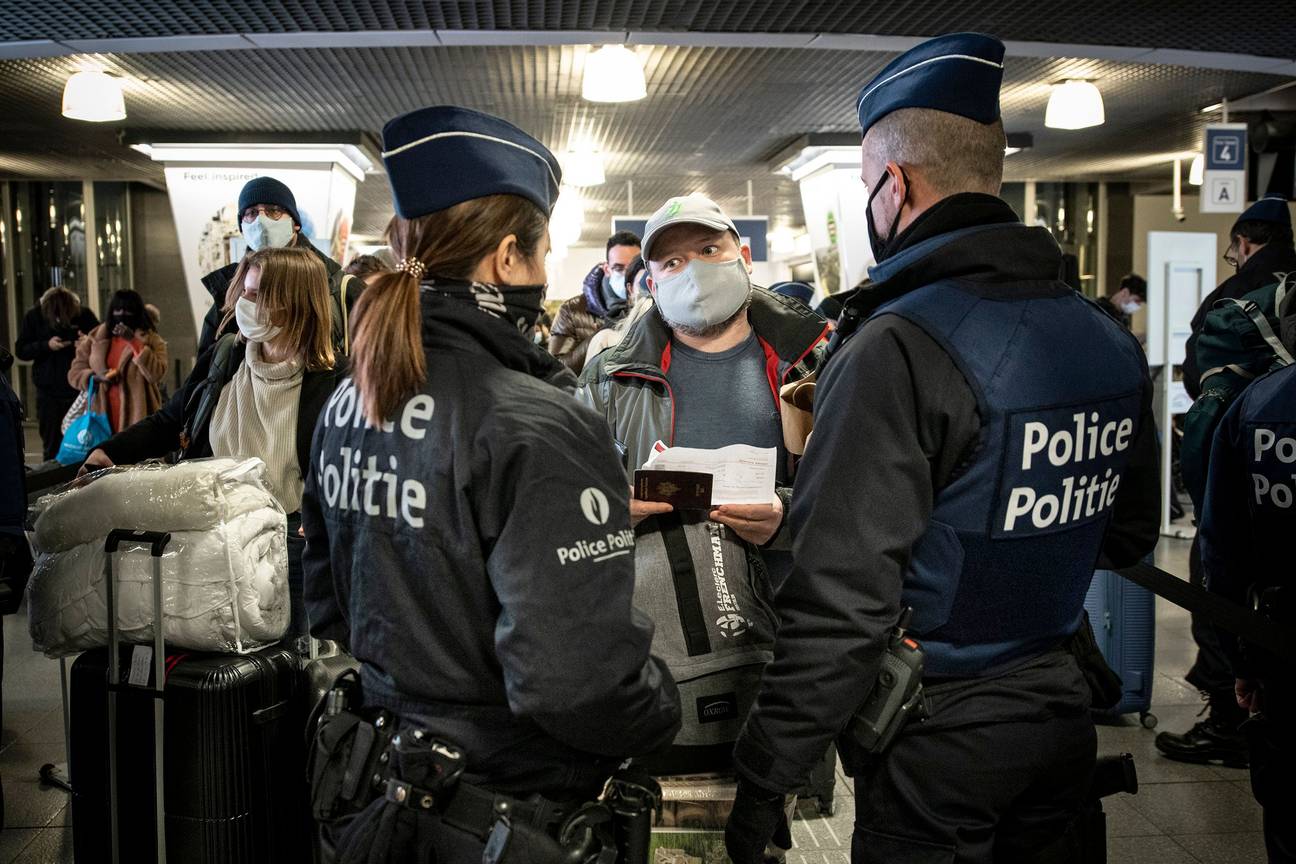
1224,183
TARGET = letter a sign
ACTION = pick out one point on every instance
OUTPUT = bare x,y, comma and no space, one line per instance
1224,181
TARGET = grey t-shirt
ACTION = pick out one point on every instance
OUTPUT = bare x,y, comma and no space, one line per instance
723,398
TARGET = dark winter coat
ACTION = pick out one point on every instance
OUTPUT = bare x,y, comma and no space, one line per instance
579,318
50,368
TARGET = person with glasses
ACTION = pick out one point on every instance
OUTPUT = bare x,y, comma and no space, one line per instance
268,218
1260,250
605,298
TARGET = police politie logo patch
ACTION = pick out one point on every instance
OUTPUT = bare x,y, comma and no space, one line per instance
594,504
1062,465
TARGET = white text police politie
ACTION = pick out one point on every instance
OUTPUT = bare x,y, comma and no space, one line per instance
1075,497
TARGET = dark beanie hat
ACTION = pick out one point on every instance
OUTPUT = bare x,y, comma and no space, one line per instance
267,190
1270,208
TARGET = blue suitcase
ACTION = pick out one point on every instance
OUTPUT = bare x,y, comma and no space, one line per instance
1123,617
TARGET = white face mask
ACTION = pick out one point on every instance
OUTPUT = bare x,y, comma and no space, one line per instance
245,313
266,233
616,281
704,293
1130,307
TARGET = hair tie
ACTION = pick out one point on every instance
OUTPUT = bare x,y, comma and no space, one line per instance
412,266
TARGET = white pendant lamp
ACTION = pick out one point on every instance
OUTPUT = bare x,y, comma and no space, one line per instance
567,220
1074,104
1197,170
583,166
613,73
93,96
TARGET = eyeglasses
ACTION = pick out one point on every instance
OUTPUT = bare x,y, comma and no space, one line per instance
273,211
1230,255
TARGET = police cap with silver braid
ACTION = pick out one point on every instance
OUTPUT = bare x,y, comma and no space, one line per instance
958,73
444,155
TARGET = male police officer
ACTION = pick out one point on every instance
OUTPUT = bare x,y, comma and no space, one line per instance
963,466
1260,248
1247,521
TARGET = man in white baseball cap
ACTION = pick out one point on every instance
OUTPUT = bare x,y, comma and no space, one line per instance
704,370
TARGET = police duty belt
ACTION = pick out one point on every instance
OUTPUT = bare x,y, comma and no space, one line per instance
1250,624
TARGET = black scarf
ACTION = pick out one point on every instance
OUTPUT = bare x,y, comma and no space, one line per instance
520,305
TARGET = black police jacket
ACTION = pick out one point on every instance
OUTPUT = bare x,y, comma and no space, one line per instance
896,422
475,554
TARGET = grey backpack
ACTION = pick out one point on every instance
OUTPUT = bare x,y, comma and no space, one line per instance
709,595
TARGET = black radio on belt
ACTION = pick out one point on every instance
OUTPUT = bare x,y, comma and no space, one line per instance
897,695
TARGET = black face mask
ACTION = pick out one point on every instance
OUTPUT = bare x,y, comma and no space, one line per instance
520,305
882,249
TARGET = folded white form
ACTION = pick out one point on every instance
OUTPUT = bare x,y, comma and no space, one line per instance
741,474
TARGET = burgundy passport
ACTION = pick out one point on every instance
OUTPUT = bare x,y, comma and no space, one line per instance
683,490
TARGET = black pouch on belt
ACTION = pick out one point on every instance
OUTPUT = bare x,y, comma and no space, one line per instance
633,798
348,763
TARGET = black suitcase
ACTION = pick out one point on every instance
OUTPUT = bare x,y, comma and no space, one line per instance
45,477
233,776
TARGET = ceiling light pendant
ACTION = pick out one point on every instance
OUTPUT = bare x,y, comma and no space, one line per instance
93,96
567,221
1074,104
613,73
583,167
1196,170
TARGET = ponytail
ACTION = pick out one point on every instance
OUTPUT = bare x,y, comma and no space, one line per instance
387,359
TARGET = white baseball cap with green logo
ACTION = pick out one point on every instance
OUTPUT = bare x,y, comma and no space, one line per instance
694,209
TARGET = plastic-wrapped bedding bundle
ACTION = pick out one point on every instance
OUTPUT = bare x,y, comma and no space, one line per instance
224,573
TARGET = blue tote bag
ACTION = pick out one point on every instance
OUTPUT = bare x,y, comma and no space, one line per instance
85,434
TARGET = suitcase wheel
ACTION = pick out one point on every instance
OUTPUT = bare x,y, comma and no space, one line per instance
1148,719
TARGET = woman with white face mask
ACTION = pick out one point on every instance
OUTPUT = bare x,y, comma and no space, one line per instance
256,392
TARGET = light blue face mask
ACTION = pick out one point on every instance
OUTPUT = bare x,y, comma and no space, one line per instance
704,293
617,283
267,233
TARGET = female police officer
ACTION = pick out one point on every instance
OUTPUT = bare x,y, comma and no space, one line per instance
467,522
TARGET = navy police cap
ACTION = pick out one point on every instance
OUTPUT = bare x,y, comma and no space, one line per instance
1271,208
958,73
444,155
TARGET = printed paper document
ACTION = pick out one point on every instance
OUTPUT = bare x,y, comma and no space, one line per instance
742,474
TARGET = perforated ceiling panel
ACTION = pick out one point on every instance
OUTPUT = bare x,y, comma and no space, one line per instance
1189,24
713,119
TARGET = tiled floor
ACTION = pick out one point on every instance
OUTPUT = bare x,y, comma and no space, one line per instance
1182,814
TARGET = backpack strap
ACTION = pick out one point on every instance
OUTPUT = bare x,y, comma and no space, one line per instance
346,324
202,402
1261,323
687,596
1280,292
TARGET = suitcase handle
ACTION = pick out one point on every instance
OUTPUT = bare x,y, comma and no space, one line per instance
157,540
